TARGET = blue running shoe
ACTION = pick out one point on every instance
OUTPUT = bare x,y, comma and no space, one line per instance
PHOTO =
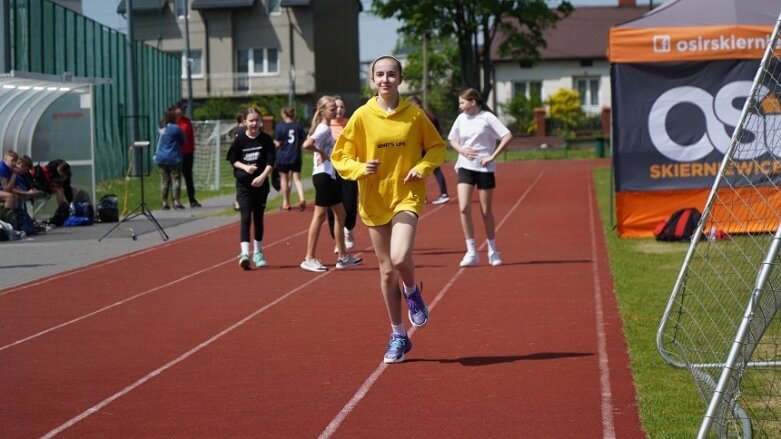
397,347
418,313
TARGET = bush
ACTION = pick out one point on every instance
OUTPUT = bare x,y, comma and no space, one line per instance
521,109
565,111
215,109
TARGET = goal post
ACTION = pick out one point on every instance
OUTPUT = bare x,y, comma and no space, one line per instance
721,321
210,169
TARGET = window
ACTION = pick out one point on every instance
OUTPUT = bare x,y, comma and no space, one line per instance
196,63
257,61
529,89
272,7
589,91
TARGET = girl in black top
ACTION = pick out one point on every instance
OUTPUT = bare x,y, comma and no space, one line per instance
252,156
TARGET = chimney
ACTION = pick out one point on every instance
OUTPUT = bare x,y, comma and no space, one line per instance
627,3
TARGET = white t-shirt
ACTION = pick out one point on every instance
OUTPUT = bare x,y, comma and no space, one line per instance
480,133
324,141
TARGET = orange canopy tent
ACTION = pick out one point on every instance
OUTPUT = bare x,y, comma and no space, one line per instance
679,77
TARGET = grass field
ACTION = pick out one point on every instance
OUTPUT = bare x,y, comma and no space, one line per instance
644,271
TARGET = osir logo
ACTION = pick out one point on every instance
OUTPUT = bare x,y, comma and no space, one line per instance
719,113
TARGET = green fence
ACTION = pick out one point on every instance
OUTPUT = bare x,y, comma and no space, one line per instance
49,39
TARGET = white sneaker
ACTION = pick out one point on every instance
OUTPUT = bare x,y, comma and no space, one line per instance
470,259
348,261
349,239
441,200
495,259
312,264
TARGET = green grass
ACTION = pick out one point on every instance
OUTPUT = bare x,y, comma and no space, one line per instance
128,190
644,271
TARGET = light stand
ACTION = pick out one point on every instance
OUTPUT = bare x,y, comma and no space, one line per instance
142,208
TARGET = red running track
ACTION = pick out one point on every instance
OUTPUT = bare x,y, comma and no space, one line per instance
178,342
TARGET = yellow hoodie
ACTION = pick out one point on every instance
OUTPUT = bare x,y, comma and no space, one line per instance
401,140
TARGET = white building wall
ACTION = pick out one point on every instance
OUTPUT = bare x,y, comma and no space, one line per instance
554,75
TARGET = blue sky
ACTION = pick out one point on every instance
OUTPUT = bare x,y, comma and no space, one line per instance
370,26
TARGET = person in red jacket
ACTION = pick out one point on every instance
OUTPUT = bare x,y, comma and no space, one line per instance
188,154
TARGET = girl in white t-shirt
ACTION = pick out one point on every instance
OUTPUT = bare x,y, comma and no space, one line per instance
474,135
327,193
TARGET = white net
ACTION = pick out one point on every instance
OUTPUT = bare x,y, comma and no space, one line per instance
721,321
210,169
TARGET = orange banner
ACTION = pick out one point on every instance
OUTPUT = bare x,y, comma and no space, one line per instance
672,44
638,213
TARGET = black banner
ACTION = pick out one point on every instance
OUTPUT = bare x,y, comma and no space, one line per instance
673,122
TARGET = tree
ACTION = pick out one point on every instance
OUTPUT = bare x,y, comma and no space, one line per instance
444,75
474,25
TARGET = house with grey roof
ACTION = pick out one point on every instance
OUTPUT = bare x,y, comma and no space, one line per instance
575,58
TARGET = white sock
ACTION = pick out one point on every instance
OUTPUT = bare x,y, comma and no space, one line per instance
245,247
398,329
258,246
409,290
491,245
470,246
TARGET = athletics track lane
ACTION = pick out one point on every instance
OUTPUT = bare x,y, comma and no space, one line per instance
201,349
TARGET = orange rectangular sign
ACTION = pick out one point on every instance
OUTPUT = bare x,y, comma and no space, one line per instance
674,44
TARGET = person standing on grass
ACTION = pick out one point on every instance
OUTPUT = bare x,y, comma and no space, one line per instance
289,135
349,188
438,175
327,194
188,153
388,147
252,155
474,135
168,157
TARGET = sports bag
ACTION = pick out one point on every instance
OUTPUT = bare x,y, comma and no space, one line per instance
108,212
681,225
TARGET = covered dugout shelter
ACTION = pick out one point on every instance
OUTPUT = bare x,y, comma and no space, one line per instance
50,117
679,77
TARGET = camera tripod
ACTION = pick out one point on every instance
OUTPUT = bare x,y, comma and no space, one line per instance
142,208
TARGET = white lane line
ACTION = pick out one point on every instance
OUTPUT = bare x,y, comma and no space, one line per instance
97,407
131,298
608,427
331,428
110,261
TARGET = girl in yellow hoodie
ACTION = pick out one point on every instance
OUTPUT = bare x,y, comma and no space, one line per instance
389,146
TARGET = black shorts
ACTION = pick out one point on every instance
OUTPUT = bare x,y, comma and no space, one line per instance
483,180
327,191
284,168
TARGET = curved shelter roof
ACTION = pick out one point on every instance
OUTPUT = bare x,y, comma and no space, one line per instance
49,117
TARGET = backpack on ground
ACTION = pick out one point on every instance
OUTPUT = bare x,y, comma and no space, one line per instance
681,225
60,215
108,212
8,215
